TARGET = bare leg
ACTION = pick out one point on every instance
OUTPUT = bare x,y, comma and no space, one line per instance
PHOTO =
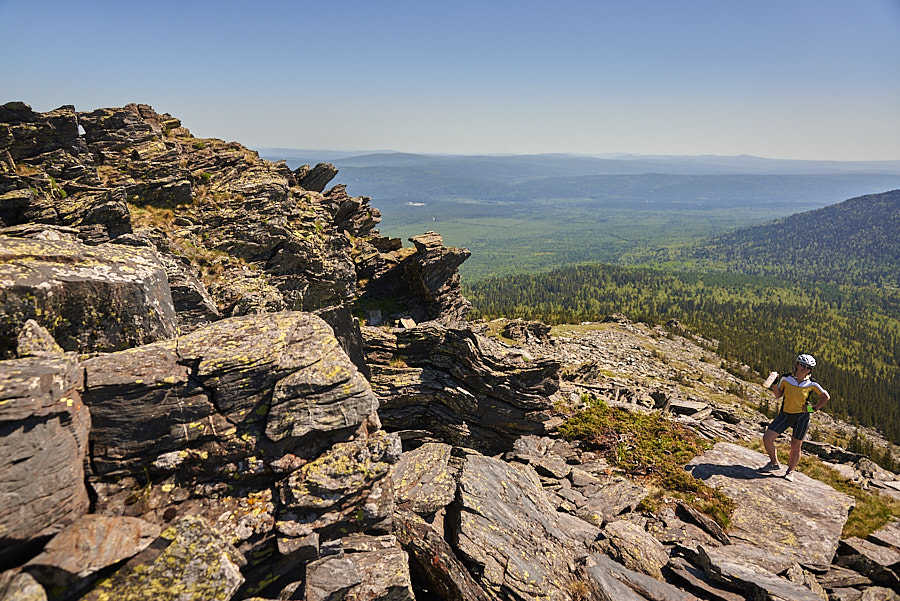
769,444
794,456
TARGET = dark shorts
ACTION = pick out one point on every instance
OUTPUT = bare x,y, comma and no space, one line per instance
799,422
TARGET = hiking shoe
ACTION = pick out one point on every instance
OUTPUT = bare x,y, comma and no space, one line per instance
789,476
769,467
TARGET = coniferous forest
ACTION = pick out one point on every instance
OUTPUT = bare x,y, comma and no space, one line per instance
823,282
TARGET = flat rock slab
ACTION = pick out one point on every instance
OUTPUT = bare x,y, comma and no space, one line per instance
696,579
511,532
795,522
92,543
877,562
434,561
887,536
683,407
423,480
189,560
610,500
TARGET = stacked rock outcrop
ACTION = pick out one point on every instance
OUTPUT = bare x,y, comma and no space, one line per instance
189,408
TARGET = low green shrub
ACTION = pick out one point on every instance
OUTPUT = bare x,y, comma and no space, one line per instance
650,447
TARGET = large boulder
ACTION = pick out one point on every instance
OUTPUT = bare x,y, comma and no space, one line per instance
315,179
424,482
90,298
43,443
220,394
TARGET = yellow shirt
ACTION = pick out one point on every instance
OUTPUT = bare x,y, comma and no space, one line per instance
796,394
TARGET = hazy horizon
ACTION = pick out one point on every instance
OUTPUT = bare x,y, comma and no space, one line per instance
803,80
607,155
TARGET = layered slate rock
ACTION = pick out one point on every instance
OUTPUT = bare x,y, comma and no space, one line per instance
730,566
221,393
888,535
316,178
516,543
262,433
43,443
795,522
447,382
189,560
424,283
50,177
346,490
259,241
433,561
607,579
879,563
90,298
154,175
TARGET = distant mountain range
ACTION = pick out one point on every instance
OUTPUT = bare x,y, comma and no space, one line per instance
393,179
528,167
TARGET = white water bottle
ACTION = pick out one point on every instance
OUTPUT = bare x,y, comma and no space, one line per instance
770,380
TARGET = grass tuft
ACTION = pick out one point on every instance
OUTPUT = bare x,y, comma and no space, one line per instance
650,447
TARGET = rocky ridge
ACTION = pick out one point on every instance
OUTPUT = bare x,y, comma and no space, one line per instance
190,409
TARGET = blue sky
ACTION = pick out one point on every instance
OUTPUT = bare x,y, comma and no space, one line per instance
775,78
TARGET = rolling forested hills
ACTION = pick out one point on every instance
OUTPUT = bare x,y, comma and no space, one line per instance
854,242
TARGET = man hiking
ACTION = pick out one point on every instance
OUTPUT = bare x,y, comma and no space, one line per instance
796,408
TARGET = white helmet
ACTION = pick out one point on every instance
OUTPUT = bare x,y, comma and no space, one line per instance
807,360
